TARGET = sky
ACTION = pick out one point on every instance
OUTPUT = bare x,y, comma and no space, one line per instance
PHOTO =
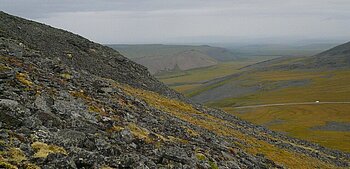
191,21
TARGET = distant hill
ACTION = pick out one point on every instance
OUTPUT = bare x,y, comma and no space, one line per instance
334,58
340,50
159,58
181,61
337,57
308,49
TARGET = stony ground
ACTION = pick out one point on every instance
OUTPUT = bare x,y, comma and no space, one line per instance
57,113
56,117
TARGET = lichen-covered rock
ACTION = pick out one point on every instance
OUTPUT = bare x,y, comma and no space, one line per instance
11,114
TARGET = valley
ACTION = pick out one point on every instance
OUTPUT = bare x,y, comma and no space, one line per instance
187,81
292,96
297,120
304,97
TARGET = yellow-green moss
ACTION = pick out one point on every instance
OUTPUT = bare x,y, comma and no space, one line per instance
31,166
24,79
66,76
7,165
144,134
115,129
201,156
213,165
2,143
96,109
16,155
140,133
191,132
81,94
176,139
4,68
43,150
69,55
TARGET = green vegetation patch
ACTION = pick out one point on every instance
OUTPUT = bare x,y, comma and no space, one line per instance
299,120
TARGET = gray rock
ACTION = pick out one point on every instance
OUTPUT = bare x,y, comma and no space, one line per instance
40,103
231,165
49,119
4,135
8,103
54,161
129,160
11,115
126,136
32,122
203,165
7,75
176,154
69,138
107,89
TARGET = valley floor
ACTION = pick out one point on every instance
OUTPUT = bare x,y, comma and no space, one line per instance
284,101
325,124
304,121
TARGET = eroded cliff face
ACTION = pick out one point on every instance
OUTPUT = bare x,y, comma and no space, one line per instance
66,102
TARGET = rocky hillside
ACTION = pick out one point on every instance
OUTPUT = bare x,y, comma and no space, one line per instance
79,53
337,57
341,50
160,58
66,102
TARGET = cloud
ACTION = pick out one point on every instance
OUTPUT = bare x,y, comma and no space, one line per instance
154,21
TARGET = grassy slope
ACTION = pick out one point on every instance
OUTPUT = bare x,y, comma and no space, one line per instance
222,127
298,120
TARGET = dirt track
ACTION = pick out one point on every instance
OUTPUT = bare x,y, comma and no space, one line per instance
288,104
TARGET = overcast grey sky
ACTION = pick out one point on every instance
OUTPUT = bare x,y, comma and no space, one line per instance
177,21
